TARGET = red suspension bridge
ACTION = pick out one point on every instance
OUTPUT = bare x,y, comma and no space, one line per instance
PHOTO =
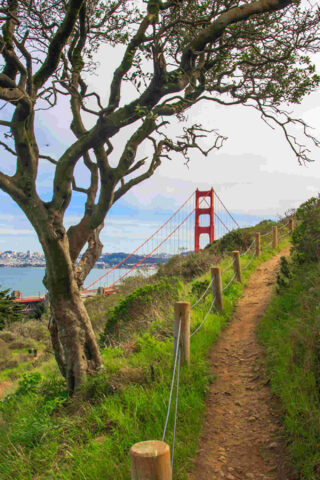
182,233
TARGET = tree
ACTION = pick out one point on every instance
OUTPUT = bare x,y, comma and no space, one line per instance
176,53
9,310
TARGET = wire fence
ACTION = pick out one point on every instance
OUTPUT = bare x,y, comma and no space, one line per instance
228,268
177,348
205,318
251,245
175,379
202,296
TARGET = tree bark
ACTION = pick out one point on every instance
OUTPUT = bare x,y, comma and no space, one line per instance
73,339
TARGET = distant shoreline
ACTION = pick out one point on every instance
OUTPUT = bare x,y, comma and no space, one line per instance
24,265
100,267
29,280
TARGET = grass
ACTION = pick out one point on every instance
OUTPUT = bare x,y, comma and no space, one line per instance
290,332
44,436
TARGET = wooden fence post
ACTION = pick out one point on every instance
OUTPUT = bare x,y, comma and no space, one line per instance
291,225
217,287
258,245
236,265
275,241
182,312
150,460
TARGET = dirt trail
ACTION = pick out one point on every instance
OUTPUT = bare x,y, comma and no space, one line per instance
241,437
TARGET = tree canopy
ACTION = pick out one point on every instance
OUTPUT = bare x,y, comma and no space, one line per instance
176,53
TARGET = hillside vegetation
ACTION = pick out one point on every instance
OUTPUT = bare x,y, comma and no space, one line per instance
290,332
45,435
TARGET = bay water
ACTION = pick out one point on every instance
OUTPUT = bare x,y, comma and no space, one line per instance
29,279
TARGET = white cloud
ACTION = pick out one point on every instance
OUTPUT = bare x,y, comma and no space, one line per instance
16,231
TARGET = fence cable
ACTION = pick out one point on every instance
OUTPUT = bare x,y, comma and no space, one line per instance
172,382
231,265
177,359
176,409
283,225
250,261
244,253
264,234
269,244
203,295
205,318
228,268
230,281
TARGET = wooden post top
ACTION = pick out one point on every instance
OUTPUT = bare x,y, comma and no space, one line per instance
182,307
149,448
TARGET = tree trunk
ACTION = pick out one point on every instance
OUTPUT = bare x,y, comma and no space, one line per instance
73,340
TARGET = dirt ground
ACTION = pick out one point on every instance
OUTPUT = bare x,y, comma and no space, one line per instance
242,436
4,387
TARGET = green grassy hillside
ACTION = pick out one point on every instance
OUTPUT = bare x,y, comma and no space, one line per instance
44,435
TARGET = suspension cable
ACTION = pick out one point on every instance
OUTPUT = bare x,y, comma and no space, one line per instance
143,244
226,209
225,226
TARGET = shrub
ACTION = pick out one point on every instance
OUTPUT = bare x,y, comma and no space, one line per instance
138,308
235,240
306,235
4,354
199,287
284,275
188,266
98,305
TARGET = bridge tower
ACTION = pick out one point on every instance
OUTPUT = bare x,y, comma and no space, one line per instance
209,210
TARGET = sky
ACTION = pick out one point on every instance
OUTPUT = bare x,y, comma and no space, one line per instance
255,173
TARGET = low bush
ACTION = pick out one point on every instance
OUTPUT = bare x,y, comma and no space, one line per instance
284,275
235,240
306,235
99,304
189,266
198,287
139,309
